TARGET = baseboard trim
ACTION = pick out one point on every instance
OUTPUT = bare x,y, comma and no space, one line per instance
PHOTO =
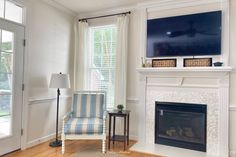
52,136
133,137
40,140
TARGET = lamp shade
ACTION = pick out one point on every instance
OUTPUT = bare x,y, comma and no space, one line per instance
59,81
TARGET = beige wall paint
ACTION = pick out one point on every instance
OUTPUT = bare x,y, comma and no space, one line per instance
49,50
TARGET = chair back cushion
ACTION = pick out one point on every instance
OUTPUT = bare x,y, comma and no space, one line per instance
88,105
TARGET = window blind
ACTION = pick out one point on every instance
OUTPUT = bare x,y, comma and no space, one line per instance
103,61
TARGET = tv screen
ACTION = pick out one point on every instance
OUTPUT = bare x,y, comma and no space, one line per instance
187,35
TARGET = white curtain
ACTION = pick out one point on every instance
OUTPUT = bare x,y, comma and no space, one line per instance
121,59
81,52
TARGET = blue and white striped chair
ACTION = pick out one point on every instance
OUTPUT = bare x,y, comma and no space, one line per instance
87,119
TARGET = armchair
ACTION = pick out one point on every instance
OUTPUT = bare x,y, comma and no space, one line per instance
87,119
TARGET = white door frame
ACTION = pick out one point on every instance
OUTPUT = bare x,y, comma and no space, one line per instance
17,28
24,105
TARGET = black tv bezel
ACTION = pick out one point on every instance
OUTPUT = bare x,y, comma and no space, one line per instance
164,56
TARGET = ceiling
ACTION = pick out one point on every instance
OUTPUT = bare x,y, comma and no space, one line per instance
84,6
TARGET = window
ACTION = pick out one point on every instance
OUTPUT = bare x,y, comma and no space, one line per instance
102,61
11,11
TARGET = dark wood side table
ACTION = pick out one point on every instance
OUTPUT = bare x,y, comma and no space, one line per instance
123,138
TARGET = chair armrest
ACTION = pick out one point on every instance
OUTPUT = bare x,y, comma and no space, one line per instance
64,120
67,116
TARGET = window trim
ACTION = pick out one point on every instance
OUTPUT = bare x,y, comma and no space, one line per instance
19,4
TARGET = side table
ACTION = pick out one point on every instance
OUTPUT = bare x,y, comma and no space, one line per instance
123,138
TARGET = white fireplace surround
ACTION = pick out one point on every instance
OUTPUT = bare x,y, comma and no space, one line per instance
189,85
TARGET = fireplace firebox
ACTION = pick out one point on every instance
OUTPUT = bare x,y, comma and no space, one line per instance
181,125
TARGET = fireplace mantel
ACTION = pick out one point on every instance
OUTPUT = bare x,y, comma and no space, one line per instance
185,69
205,85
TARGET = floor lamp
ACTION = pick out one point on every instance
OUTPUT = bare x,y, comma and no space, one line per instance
58,81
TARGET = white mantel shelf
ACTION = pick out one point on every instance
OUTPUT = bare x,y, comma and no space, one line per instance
186,69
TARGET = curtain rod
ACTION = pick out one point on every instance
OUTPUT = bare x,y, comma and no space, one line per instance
85,19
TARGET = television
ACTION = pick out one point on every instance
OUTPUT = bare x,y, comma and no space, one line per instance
186,35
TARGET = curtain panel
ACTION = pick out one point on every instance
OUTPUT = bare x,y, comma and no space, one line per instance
121,59
81,55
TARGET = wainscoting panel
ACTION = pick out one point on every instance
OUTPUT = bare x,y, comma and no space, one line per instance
132,105
42,118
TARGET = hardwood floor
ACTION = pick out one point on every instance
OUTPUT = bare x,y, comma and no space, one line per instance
43,150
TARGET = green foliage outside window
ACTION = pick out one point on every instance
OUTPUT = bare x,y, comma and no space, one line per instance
6,62
6,46
103,60
6,66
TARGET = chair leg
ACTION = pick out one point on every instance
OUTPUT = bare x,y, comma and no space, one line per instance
63,145
103,146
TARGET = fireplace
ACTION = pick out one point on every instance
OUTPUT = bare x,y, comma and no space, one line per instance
207,85
181,125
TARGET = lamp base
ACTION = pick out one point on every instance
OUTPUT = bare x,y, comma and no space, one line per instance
56,143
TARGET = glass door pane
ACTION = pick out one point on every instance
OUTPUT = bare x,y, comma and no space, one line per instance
6,71
13,12
2,8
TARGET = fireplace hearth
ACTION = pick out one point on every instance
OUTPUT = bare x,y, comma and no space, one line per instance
181,125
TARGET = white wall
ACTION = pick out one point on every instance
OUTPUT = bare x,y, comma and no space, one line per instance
233,76
49,50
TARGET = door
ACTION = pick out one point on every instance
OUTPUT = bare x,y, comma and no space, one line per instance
11,79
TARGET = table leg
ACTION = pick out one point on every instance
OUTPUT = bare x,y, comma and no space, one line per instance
109,138
114,128
128,131
125,132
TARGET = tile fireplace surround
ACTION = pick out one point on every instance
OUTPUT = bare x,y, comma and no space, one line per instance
207,85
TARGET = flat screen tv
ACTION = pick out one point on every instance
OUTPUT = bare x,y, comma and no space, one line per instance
187,35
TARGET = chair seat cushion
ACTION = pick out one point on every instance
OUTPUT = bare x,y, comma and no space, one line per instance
84,126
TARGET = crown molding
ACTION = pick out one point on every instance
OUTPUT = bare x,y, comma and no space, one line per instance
154,5
59,6
151,5
170,3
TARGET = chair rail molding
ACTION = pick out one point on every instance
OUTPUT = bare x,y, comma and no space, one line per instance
132,100
38,100
232,107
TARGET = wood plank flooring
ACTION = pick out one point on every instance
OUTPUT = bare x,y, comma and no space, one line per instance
43,150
